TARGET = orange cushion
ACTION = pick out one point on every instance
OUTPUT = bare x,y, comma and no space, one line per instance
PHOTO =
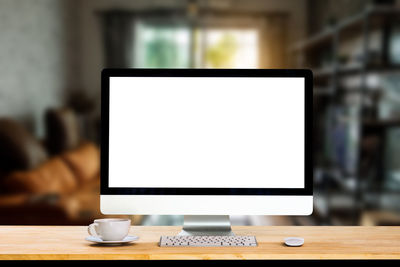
53,176
84,162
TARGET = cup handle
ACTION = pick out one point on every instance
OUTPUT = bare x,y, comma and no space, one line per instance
92,229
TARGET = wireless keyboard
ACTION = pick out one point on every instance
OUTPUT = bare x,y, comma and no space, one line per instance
208,241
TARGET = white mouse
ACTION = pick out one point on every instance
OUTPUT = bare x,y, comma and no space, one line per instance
294,241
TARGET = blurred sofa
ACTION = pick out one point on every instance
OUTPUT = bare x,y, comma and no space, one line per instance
52,181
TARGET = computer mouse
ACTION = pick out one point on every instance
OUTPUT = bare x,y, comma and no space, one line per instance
294,241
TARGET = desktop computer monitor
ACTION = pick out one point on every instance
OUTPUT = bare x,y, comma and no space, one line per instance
212,142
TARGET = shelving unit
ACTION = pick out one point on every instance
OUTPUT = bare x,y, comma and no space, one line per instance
325,46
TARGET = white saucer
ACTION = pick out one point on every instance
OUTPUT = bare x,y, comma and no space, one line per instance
294,241
98,240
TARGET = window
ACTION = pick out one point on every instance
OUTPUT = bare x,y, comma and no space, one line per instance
158,46
163,46
228,48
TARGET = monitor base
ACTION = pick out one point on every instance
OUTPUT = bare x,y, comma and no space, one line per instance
206,225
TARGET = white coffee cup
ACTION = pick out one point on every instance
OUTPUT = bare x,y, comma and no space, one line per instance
110,229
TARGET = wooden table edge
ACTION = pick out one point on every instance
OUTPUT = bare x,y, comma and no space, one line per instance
195,257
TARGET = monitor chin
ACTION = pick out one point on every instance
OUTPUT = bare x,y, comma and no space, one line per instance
206,205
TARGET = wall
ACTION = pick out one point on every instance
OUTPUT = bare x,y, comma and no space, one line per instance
38,57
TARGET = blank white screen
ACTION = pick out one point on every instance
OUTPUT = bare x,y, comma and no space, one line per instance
206,132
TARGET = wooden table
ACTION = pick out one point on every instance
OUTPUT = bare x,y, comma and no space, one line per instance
67,242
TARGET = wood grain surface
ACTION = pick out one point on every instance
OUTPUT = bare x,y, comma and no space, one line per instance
322,242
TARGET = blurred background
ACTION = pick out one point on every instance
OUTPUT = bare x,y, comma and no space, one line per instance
52,53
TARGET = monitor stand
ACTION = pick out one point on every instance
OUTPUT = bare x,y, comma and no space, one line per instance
210,225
